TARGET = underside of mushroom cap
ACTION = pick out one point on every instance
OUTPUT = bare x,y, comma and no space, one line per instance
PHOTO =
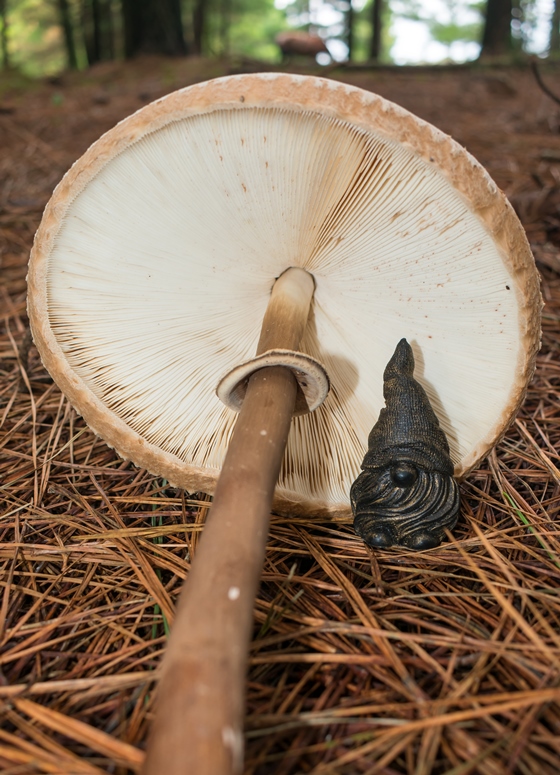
155,259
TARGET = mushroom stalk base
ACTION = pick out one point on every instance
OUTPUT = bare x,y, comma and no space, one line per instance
201,696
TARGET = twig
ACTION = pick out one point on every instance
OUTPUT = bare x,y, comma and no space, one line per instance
541,83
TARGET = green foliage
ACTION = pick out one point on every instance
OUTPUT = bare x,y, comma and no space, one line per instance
34,37
461,21
363,31
362,34
253,35
249,31
449,33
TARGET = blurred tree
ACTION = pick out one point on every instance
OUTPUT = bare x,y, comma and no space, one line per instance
98,30
226,10
554,44
36,40
4,34
454,21
448,33
350,30
524,21
254,29
153,27
238,27
68,30
376,28
496,37
199,25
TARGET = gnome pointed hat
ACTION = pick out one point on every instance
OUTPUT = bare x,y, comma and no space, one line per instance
407,428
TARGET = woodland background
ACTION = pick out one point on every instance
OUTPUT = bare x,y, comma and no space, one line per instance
443,662
42,37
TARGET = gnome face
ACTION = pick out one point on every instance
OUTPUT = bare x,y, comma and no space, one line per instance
406,494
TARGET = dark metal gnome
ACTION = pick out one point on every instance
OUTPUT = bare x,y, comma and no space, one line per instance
406,493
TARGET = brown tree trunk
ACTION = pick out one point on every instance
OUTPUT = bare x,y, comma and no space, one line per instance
4,35
225,25
375,40
97,24
496,38
199,26
350,30
153,27
554,45
68,30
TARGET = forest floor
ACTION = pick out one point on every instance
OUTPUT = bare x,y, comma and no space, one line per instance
445,661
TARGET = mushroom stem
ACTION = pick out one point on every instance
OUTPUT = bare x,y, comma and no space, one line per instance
198,726
287,311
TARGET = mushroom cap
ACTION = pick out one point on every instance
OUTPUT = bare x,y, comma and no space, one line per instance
154,262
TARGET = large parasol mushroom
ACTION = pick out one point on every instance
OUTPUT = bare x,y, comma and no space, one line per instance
157,260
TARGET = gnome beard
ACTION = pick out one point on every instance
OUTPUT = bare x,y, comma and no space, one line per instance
406,494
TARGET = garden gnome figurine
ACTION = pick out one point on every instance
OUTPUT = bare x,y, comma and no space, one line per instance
406,493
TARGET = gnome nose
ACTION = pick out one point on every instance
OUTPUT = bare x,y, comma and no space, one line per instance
404,474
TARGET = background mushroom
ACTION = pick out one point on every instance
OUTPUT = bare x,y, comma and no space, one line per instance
152,271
